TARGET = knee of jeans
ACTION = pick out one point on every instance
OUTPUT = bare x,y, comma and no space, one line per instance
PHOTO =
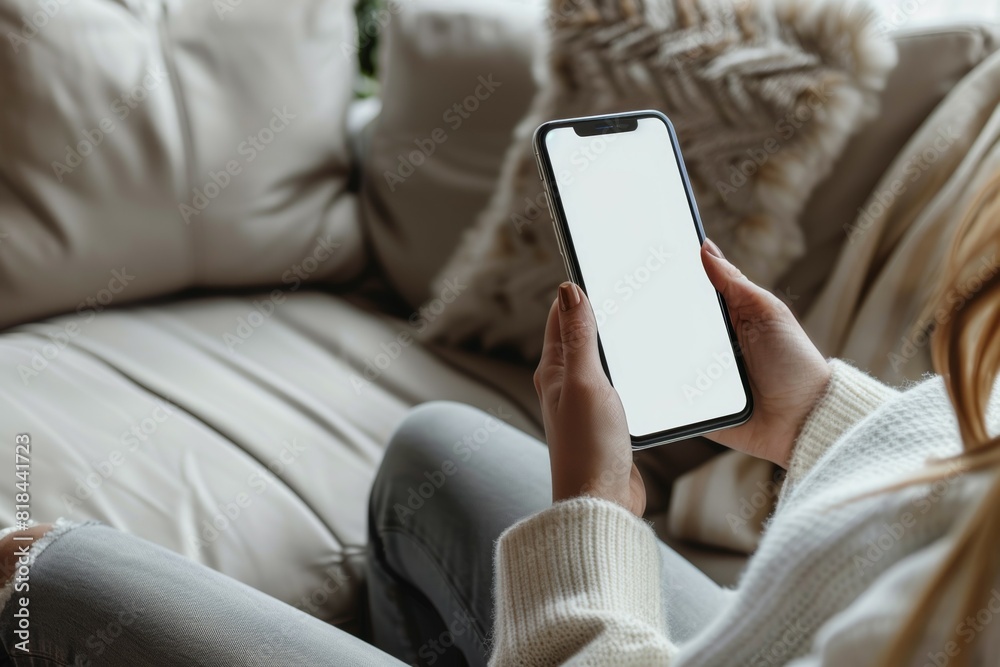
424,432
12,548
423,442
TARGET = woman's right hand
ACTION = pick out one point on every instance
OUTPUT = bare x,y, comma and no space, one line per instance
788,375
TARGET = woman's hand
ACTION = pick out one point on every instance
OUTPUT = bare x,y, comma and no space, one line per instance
787,373
589,445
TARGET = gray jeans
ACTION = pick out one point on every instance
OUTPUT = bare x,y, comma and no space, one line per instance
452,480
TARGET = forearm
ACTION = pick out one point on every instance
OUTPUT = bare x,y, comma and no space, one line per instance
579,581
850,396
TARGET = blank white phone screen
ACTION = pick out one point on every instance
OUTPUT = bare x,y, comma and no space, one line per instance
665,340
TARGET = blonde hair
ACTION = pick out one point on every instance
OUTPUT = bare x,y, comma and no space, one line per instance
965,349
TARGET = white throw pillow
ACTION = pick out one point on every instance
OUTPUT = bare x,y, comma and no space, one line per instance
148,147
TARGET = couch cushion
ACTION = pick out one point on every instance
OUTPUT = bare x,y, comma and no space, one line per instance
150,146
241,431
431,168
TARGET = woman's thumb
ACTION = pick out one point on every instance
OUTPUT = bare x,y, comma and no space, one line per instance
578,331
735,287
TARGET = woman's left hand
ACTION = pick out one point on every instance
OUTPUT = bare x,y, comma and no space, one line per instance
589,445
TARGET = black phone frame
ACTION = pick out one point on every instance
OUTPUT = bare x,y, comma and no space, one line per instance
611,124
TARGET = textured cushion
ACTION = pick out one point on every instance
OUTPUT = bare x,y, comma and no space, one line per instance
244,440
147,147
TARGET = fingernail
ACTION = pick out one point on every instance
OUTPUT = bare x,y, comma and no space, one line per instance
713,249
568,296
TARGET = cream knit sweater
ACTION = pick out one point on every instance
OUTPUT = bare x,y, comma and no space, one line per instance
830,584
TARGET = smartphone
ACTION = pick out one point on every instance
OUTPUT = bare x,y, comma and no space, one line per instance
630,236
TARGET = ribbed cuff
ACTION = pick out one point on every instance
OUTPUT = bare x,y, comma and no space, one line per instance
850,396
580,559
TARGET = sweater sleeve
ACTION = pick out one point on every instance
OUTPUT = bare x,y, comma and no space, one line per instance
579,583
858,636
862,632
850,396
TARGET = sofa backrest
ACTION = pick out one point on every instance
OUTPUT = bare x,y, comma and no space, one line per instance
149,147
431,168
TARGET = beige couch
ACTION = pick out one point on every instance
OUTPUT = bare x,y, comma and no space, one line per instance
216,395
